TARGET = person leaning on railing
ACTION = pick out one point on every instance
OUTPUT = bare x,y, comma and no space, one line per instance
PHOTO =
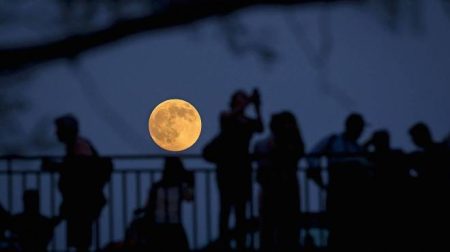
347,184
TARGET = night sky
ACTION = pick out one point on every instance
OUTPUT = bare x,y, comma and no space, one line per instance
394,77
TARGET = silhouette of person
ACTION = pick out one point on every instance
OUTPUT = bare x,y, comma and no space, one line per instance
432,164
389,192
347,185
162,213
446,142
33,230
230,151
278,156
82,176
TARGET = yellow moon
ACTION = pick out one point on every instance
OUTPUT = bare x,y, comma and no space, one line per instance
174,125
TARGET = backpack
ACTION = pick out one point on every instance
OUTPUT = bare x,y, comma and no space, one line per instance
214,150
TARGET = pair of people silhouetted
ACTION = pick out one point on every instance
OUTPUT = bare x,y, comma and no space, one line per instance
82,176
409,203
432,164
33,231
29,230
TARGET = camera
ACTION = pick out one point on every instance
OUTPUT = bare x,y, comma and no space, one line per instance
255,97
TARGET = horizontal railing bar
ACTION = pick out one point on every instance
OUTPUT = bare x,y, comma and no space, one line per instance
120,156
25,172
183,156
127,170
121,202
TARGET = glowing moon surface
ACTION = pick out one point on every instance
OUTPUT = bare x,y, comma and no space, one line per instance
174,125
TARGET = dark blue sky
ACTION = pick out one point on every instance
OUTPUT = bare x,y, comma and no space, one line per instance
393,78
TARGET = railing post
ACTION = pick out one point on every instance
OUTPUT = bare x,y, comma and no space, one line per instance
38,186
194,216
24,182
124,201
208,205
10,184
111,209
251,233
138,189
97,234
52,205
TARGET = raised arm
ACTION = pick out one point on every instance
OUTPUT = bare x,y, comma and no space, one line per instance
314,168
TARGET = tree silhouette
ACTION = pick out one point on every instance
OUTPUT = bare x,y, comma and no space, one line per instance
66,29
166,15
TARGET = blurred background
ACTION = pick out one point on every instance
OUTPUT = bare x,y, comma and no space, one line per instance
110,62
321,59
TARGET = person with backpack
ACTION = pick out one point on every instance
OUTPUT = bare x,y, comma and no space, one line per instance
82,177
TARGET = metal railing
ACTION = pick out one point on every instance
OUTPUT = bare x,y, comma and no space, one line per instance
128,189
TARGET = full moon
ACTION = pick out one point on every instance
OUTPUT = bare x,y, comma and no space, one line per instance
174,125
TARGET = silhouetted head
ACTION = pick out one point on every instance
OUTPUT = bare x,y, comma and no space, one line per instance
283,125
66,128
420,135
31,201
239,100
447,141
285,129
354,126
381,140
173,170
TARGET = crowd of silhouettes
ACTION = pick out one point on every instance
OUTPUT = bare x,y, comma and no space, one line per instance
377,198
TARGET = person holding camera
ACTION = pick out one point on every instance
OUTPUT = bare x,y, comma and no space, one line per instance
230,152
